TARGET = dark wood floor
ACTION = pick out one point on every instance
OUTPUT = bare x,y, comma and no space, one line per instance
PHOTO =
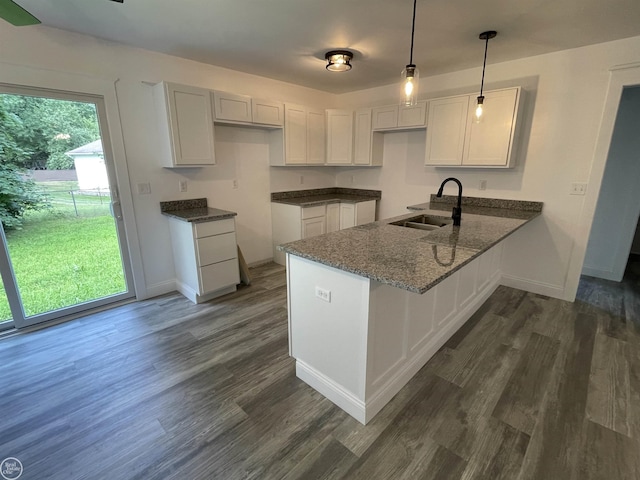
529,388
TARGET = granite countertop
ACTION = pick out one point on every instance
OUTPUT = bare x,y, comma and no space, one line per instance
411,259
324,196
194,210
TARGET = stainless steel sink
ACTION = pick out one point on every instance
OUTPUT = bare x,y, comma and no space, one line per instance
424,222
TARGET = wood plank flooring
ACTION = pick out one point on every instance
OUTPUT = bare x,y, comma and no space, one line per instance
529,388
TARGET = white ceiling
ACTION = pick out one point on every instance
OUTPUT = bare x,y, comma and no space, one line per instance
287,39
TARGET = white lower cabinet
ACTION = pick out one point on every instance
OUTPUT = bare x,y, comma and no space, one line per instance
205,258
291,222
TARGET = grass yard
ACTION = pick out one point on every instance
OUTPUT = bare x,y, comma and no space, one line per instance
62,259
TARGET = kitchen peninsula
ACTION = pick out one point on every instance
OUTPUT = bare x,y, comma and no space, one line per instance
368,306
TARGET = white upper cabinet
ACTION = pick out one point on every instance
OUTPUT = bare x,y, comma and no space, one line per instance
244,110
367,145
304,134
232,107
455,139
185,119
267,112
339,137
315,137
396,117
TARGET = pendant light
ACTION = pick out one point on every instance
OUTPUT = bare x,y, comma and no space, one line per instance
483,36
410,74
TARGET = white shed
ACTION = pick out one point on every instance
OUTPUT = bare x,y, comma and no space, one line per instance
90,168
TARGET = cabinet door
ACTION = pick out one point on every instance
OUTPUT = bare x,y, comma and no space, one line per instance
489,142
365,212
232,107
191,125
333,217
339,137
267,112
313,227
295,134
363,137
315,137
414,116
446,130
347,215
385,117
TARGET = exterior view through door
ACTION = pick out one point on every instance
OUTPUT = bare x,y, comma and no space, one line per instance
62,243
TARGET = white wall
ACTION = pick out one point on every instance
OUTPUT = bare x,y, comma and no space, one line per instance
564,95
618,207
241,152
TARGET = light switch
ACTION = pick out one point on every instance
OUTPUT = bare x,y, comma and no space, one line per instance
144,188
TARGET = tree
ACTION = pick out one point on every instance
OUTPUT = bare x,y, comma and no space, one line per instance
45,128
17,193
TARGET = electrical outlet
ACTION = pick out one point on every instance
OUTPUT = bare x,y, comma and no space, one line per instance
144,188
483,184
323,294
182,185
235,184
578,189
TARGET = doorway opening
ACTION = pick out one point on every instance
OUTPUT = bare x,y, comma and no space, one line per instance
62,242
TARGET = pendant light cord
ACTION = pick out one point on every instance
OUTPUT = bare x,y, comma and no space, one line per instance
484,63
413,29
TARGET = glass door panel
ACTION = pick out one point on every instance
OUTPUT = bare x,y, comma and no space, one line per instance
64,247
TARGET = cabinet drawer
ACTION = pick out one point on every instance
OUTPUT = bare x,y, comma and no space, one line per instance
216,248
219,275
206,229
312,212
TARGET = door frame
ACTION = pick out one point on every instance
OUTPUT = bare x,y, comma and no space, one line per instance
64,83
621,76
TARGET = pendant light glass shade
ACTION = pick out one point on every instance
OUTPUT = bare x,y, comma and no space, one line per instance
410,82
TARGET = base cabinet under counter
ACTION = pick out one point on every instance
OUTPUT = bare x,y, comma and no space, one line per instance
205,258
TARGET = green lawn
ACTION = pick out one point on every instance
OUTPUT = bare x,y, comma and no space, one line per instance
61,259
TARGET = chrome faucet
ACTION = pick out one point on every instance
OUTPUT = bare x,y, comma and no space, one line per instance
457,211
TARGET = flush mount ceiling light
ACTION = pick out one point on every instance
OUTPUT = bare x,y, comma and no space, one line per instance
410,74
483,36
338,60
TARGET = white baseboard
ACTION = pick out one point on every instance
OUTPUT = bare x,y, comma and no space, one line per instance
334,392
260,262
540,288
159,289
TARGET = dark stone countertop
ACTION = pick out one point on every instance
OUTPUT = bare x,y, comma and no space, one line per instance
194,210
325,196
411,259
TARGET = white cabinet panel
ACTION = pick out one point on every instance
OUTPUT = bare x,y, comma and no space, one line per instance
232,107
333,217
216,248
267,112
295,134
315,137
414,116
312,212
185,119
455,139
206,229
385,117
339,137
363,137
446,130
489,142
312,227
219,275
347,215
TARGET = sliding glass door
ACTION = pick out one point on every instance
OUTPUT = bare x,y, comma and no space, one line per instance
63,246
